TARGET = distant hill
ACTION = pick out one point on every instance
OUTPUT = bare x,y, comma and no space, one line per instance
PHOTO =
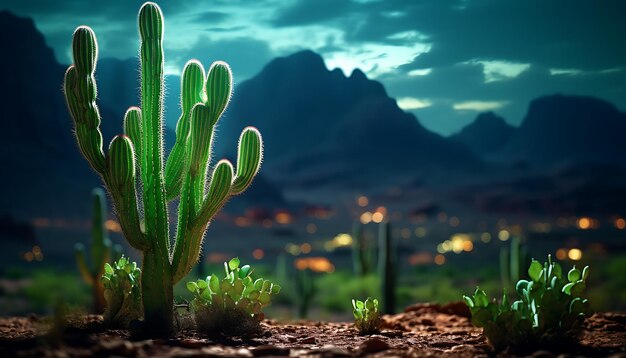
487,134
562,129
320,126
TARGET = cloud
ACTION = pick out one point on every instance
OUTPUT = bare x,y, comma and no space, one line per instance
558,33
307,12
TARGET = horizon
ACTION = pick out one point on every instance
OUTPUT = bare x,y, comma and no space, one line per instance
444,72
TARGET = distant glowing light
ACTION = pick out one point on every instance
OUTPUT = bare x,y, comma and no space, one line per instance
584,223
283,218
266,223
442,217
343,240
440,259
382,210
112,225
620,223
311,228
454,221
420,232
409,103
504,235
316,264
362,201
561,254
405,233
29,256
305,248
366,218
468,246
485,237
420,258
377,217
575,254
293,249
242,221
258,254
479,105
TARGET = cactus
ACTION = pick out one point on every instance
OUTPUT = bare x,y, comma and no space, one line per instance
122,294
305,291
386,267
362,255
135,169
101,251
513,260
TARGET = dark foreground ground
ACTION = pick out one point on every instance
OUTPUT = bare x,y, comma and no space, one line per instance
423,330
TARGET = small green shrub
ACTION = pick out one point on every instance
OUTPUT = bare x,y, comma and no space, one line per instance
367,318
233,305
122,293
550,310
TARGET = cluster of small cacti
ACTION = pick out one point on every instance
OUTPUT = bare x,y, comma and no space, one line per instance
122,293
232,305
134,168
102,251
550,309
366,315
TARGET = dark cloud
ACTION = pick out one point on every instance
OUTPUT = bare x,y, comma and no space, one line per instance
307,12
209,17
559,33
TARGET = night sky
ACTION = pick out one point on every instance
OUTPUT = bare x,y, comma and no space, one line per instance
444,60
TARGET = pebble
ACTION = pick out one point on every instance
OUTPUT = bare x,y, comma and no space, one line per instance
373,345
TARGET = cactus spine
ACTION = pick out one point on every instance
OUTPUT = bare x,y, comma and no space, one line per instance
362,255
135,160
102,251
386,267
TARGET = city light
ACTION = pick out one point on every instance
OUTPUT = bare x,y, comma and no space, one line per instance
575,254
362,201
504,235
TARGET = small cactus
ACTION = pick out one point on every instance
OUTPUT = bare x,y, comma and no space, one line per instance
362,254
101,251
135,169
305,291
122,294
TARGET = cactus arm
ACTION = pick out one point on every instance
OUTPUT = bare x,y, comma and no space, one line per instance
249,157
80,93
120,180
132,128
188,244
192,92
83,268
151,162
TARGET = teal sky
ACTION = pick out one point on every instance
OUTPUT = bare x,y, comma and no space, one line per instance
444,60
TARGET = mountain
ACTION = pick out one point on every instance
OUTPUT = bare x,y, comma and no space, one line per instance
487,134
320,126
562,129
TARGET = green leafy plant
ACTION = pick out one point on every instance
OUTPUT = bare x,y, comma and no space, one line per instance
101,251
233,305
134,168
122,293
367,317
550,309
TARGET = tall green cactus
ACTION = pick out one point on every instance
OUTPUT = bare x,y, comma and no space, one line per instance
101,251
305,290
387,267
135,160
513,260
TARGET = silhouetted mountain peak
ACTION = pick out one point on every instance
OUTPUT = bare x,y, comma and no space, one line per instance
561,129
20,35
486,134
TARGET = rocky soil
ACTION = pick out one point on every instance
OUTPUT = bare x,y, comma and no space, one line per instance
422,330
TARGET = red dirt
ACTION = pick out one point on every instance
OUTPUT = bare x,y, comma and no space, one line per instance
423,330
